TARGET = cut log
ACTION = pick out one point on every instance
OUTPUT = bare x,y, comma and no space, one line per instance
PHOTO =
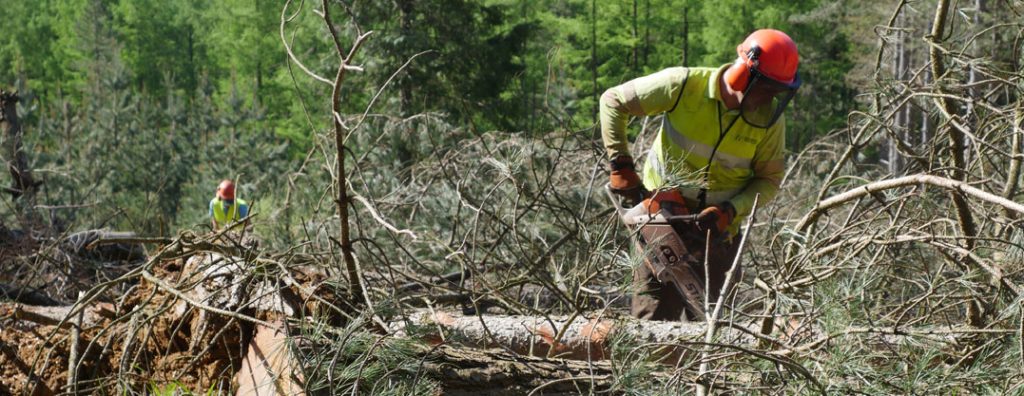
571,338
589,337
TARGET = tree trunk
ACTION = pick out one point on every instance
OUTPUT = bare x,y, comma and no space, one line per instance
23,185
636,38
405,85
956,138
901,121
593,58
341,185
647,30
686,37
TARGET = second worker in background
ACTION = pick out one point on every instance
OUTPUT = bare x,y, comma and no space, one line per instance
224,208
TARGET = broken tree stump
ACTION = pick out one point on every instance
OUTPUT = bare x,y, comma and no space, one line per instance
269,367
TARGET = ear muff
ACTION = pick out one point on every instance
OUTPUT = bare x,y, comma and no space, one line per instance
738,75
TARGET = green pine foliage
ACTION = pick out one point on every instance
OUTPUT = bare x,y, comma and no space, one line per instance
140,107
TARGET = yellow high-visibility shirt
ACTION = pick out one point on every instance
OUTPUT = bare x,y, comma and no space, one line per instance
747,161
236,211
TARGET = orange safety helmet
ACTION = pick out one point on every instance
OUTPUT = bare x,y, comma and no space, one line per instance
226,189
768,59
767,51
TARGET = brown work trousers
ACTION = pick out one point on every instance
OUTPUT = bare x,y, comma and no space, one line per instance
654,300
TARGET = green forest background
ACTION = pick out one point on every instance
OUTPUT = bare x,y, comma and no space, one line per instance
135,109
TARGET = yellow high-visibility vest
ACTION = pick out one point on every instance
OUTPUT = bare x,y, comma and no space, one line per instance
232,214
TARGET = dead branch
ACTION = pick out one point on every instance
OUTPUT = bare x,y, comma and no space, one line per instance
871,188
358,293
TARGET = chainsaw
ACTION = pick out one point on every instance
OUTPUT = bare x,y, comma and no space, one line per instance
665,252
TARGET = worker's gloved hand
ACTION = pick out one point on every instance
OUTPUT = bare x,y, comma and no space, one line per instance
625,182
716,217
671,202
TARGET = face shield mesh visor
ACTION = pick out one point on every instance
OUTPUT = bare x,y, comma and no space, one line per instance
765,99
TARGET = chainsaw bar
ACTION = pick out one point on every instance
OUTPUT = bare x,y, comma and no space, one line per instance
665,253
670,262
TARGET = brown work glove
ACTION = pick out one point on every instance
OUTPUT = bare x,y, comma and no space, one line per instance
716,217
624,180
671,201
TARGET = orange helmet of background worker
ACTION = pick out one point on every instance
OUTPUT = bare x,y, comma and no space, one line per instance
226,189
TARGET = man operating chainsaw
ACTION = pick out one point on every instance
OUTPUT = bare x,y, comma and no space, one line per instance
720,144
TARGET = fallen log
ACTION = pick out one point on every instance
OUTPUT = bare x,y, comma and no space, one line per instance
583,338
591,337
105,245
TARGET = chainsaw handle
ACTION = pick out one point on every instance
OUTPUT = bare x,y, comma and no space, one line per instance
685,219
645,219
